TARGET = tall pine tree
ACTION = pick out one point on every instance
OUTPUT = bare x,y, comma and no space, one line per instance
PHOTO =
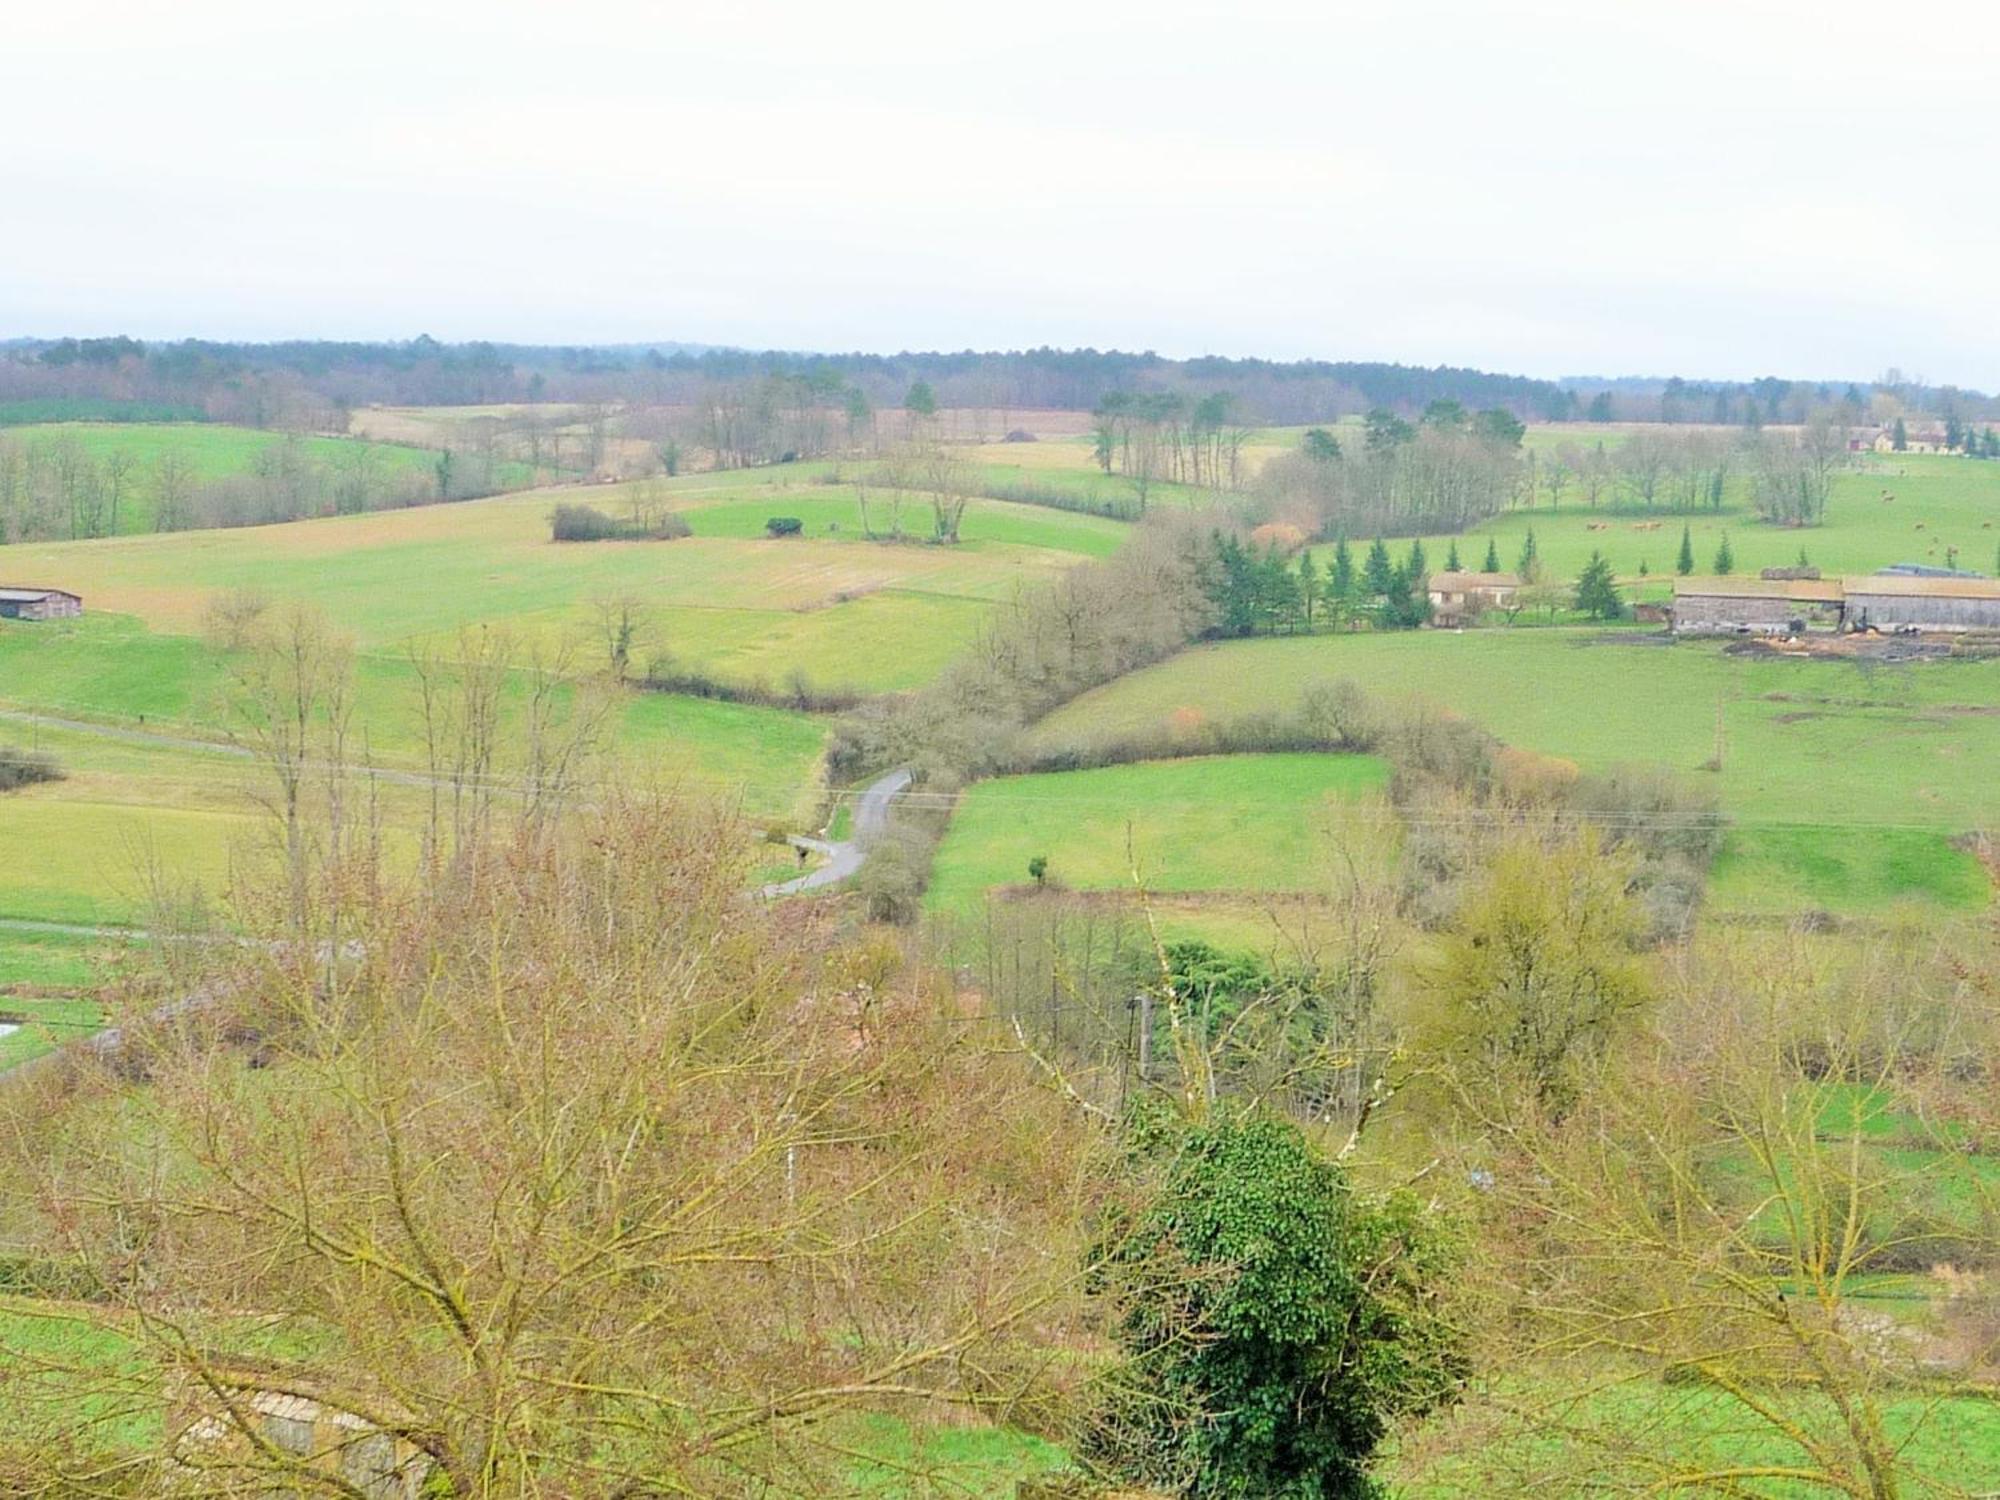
1451,564
1725,560
1492,563
1377,573
1684,564
1530,564
1340,601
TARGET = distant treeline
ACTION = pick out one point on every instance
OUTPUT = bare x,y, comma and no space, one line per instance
314,383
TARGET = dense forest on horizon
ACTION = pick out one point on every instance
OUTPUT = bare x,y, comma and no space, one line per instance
309,383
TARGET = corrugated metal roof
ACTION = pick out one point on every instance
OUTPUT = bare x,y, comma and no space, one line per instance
1905,586
29,596
1792,590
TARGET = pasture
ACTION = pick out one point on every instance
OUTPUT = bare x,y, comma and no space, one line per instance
144,697
392,576
176,797
1943,510
213,451
1243,823
1845,780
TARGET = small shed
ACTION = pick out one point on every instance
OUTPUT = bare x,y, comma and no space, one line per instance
1755,606
249,1421
1905,601
39,604
1461,596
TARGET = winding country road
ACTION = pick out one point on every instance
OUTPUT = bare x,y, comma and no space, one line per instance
871,816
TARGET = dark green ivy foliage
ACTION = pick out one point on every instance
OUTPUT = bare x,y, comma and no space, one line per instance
1273,1323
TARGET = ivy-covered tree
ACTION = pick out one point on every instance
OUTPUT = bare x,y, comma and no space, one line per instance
1273,1322
1597,590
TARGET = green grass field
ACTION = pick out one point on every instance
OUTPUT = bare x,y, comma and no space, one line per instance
1951,1438
1940,504
1220,823
392,576
830,607
40,960
215,451
1845,780
168,794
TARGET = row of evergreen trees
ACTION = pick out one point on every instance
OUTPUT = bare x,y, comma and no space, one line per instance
1255,591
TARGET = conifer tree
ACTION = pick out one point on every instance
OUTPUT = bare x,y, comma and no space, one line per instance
1725,560
1417,569
1377,573
1308,587
1451,564
1684,564
1492,563
1530,564
1340,585
1597,590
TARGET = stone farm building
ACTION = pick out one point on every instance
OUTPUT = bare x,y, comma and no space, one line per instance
1901,601
1870,601
39,604
1460,597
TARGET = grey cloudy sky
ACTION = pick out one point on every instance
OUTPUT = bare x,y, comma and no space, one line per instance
1549,186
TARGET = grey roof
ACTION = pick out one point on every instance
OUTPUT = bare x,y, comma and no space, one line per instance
1923,570
31,596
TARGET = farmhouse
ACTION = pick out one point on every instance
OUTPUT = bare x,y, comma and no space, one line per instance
39,604
1915,439
1459,597
1907,601
1755,606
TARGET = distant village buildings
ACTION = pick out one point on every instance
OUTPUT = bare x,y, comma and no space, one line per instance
39,604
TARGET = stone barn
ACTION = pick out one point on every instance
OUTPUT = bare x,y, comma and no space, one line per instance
1755,606
39,604
1902,601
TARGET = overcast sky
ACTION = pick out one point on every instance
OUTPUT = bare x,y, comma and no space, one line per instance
1803,187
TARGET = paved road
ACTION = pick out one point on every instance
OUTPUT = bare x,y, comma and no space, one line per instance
871,816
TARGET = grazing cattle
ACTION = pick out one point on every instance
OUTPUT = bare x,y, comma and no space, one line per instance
1645,525
1597,526
1920,525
